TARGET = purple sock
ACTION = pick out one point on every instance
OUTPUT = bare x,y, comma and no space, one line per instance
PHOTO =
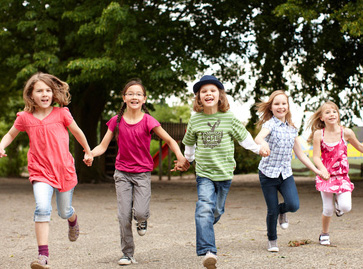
43,250
72,223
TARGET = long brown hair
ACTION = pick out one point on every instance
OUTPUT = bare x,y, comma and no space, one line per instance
264,108
223,104
315,123
123,107
59,88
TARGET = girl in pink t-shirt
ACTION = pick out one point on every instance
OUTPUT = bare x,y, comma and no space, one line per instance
330,155
132,129
50,164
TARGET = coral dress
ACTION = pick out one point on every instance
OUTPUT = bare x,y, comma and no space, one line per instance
335,160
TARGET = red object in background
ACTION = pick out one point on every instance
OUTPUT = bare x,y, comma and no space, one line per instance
164,153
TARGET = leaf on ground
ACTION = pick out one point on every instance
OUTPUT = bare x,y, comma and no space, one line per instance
297,243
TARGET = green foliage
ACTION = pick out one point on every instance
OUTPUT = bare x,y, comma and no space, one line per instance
246,160
16,161
97,46
165,113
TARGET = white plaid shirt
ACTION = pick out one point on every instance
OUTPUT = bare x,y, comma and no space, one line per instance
281,141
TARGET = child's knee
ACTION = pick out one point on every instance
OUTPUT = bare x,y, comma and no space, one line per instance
66,213
328,212
42,212
141,215
294,207
345,208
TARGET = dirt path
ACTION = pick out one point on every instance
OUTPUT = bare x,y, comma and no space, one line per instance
170,239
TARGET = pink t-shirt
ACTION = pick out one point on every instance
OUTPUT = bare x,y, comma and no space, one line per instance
49,159
133,154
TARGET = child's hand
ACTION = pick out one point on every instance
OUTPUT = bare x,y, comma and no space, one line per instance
2,153
264,150
324,174
88,159
181,165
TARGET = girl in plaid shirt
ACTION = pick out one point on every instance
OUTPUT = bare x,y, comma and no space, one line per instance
279,134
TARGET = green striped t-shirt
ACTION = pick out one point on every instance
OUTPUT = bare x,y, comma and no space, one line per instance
213,135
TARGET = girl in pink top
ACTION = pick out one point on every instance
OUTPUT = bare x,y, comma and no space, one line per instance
50,164
330,155
132,129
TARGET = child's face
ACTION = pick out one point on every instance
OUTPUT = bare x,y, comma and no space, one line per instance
329,115
280,107
42,95
209,96
134,97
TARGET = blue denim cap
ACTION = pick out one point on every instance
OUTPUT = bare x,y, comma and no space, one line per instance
207,80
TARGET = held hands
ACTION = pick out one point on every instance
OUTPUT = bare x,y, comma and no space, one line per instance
88,159
181,165
324,174
264,150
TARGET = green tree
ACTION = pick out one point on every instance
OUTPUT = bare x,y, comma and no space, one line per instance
97,46
319,42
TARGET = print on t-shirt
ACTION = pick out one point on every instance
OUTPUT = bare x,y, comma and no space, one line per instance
212,138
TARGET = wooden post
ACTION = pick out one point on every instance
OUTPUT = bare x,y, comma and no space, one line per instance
169,163
160,159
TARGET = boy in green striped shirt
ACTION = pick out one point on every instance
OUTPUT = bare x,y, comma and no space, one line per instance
210,134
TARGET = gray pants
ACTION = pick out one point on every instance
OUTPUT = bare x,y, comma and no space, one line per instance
133,198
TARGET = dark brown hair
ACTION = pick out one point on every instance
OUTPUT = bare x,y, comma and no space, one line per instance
123,107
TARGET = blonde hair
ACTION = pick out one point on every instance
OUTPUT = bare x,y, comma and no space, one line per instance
315,123
59,88
264,108
223,104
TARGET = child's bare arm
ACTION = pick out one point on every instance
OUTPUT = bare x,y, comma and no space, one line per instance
7,139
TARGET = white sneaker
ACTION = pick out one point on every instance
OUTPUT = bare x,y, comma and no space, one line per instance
272,246
210,260
324,240
284,222
126,260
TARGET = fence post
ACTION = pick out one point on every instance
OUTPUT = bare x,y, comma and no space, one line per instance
160,159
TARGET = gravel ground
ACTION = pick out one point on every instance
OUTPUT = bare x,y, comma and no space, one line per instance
170,239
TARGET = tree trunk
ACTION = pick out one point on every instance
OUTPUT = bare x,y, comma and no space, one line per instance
86,109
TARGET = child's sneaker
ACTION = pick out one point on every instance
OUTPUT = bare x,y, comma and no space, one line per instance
272,246
141,227
324,239
337,210
73,232
126,260
40,263
284,222
210,260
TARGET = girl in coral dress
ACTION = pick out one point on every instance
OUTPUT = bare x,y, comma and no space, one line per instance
330,154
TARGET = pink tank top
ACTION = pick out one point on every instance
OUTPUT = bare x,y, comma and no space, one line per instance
335,160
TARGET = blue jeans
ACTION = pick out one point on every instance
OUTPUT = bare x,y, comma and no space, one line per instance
43,193
209,209
287,188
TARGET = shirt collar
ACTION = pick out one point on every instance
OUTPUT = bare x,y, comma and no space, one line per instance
279,122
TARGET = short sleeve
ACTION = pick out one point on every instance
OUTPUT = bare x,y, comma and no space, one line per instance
189,138
151,123
66,116
239,131
19,121
269,124
111,124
